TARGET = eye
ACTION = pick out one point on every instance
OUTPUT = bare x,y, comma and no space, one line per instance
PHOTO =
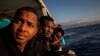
30,24
18,20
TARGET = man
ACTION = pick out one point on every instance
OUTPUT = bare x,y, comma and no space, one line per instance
19,39
47,25
47,28
57,42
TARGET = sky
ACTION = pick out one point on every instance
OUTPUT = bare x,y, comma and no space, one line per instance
74,10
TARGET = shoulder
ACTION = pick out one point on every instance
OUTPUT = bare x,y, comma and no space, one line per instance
3,48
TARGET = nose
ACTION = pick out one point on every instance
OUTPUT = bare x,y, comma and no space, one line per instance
50,30
22,27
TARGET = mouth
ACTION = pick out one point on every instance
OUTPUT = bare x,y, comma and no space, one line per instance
48,35
20,36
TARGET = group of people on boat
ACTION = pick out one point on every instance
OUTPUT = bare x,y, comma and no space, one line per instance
28,35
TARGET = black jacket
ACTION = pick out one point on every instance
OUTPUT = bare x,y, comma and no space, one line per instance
8,46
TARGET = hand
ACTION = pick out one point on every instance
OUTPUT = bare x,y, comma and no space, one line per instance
71,53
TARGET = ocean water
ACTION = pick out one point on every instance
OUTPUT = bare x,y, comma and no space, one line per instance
85,41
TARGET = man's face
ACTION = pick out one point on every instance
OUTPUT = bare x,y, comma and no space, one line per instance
58,35
48,28
24,27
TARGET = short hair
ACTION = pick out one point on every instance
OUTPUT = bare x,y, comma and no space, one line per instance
59,30
20,10
29,9
43,18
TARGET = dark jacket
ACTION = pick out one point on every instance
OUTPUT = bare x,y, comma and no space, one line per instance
8,46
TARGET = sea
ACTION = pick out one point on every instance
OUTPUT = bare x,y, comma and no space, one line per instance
85,41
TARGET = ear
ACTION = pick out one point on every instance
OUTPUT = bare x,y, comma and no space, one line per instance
36,30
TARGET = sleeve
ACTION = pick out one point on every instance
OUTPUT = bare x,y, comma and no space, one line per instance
62,41
4,22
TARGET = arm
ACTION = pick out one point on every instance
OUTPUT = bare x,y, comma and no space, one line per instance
62,41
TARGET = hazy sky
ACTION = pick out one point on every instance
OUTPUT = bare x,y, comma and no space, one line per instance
69,10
